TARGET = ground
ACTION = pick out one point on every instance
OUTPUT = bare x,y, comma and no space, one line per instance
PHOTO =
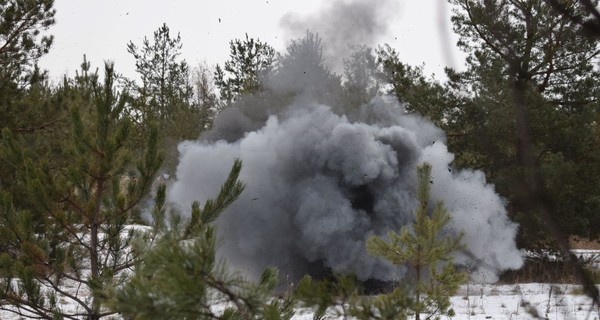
476,301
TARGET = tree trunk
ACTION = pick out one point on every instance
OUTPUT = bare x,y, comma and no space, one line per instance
535,196
418,296
94,247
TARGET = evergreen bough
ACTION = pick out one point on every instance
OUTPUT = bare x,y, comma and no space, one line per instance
80,237
181,278
426,249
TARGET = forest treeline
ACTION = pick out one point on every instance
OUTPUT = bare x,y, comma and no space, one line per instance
80,158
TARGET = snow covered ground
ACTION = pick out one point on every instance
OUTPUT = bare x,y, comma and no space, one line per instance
476,301
518,301
489,301
523,301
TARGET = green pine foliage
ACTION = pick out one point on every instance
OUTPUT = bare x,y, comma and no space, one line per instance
165,79
166,96
249,60
530,111
27,107
181,278
329,298
40,120
81,239
22,41
426,250
420,94
342,297
395,305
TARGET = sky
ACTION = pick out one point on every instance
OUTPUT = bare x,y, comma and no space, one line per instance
419,30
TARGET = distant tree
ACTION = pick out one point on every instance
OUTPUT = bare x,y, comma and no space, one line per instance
419,93
165,80
204,88
426,250
249,61
165,97
82,241
22,43
301,70
362,79
180,276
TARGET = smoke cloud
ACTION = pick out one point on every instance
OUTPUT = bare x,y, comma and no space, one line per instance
324,172
342,24
319,184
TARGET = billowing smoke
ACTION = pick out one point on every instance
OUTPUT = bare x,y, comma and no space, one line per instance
324,172
318,185
343,23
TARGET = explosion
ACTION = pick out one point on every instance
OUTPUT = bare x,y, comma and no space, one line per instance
324,172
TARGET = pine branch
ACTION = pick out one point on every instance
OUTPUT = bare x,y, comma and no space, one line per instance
17,32
57,288
35,129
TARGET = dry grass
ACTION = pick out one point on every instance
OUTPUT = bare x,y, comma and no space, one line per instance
581,243
544,270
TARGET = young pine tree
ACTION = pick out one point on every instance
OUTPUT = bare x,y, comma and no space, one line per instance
82,241
180,277
426,250
165,97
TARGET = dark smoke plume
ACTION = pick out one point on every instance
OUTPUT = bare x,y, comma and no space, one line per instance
328,163
319,185
321,177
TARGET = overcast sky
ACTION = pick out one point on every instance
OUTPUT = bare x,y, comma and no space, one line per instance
419,30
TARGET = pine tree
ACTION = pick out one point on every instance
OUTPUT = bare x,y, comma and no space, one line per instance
362,79
531,82
180,276
249,61
165,80
165,97
587,19
343,297
419,94
83,240
26,105
547,68
302,69
21,41
205,96
426,250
